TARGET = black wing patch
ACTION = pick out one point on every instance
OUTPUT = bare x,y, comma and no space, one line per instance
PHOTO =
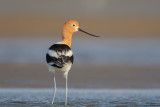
53,61
62,59
72,59
60,48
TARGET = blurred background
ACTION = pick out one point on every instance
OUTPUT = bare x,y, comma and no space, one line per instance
127,55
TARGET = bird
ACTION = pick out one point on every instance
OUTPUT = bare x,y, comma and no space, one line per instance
59,57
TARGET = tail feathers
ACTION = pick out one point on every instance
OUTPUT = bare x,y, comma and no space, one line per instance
50,68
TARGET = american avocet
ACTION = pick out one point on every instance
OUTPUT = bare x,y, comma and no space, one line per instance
60,56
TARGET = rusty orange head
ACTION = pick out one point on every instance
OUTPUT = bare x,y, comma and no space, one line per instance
71,26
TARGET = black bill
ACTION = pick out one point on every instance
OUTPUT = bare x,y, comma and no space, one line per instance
87,32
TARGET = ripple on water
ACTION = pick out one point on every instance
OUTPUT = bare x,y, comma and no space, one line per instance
79,98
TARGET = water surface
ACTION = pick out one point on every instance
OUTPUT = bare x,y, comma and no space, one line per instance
79,98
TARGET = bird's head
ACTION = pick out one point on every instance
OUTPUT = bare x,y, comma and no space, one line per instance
72,26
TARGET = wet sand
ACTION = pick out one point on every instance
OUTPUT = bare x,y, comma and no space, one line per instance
34,75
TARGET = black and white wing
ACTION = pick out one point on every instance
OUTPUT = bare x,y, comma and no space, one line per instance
59,55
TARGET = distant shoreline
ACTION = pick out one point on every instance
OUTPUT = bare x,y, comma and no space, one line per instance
108,26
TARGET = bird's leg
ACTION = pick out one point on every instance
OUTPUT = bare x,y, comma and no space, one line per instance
66,91
54,92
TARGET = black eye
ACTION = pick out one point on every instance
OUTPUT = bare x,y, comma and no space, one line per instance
74,25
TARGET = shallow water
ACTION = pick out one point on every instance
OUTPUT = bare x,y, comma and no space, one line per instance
110,51
79,98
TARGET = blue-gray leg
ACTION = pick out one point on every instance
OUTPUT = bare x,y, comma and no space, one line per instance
66,91
54,92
